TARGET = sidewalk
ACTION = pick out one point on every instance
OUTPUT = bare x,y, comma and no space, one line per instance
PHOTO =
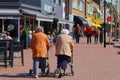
91,62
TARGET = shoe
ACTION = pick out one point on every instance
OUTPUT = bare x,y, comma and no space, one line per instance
35,76
43,74
60,75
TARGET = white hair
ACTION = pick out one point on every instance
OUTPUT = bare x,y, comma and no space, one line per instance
39,29
65,31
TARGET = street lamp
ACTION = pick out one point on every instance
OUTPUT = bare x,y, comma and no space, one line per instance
104,23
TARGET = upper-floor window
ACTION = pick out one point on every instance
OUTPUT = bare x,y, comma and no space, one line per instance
101,2
81,6
75,4
57,2
52,0
89,8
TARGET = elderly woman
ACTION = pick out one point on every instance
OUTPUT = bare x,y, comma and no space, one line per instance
64,46
39,45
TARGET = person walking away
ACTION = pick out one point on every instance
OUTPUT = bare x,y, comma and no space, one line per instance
77,33
29,38
64,46
96,34
101,34
39,45
88,34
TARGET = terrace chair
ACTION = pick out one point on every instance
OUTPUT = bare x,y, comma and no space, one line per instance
18,47
3,52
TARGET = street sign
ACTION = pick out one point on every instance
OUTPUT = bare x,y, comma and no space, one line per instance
109,18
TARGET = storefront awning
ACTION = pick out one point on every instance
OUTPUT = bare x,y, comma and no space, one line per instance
66,22
43,17
28,13
96,25
10,14
80,20
83,21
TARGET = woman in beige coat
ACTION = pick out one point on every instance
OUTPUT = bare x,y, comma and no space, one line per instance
64,46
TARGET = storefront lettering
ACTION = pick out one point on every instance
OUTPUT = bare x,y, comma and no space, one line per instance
48,8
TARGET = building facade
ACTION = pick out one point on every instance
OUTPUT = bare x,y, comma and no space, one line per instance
84,11
29,14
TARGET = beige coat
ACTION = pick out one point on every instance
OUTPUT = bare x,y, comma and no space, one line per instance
64,45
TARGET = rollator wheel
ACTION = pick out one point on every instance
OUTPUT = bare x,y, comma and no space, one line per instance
56,73
48,71
30,71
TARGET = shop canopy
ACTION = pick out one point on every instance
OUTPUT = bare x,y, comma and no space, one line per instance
10,14
96,25
82,21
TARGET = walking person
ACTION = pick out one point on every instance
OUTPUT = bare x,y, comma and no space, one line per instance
39,45
88,34
96,34
64,46
77,33
101,34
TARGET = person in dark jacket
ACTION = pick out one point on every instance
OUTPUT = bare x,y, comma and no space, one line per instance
101,35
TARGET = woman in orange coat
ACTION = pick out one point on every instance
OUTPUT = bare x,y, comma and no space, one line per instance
39,45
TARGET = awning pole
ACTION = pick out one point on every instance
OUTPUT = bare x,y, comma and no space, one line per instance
18,30
24,22
2,24
38,22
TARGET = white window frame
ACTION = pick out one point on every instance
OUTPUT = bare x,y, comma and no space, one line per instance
75,4
81,5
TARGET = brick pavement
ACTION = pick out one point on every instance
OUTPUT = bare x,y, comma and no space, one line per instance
91,62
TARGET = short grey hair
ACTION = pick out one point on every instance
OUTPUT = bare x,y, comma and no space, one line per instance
39,29
65,31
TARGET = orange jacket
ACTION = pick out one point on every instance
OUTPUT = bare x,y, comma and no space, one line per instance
39,44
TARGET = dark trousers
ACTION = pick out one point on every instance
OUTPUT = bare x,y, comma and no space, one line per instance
88,38
96,39
62,61
77,36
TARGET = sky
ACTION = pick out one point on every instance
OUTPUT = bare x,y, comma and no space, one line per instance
110,0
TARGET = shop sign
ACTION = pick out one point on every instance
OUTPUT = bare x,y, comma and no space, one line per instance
48,8
109,18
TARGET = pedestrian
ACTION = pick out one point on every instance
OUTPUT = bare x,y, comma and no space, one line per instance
96,35
64,46
7,36
88,33
29,38
101,34
39,45
77,33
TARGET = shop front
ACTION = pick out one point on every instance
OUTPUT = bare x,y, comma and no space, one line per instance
11,21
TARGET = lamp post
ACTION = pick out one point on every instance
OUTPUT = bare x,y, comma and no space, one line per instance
104,23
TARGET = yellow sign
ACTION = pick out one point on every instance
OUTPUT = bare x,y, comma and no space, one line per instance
96,25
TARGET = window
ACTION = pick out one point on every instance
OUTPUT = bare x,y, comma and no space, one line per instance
89,8
81,6
101,2
75,4
57,2
52,0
